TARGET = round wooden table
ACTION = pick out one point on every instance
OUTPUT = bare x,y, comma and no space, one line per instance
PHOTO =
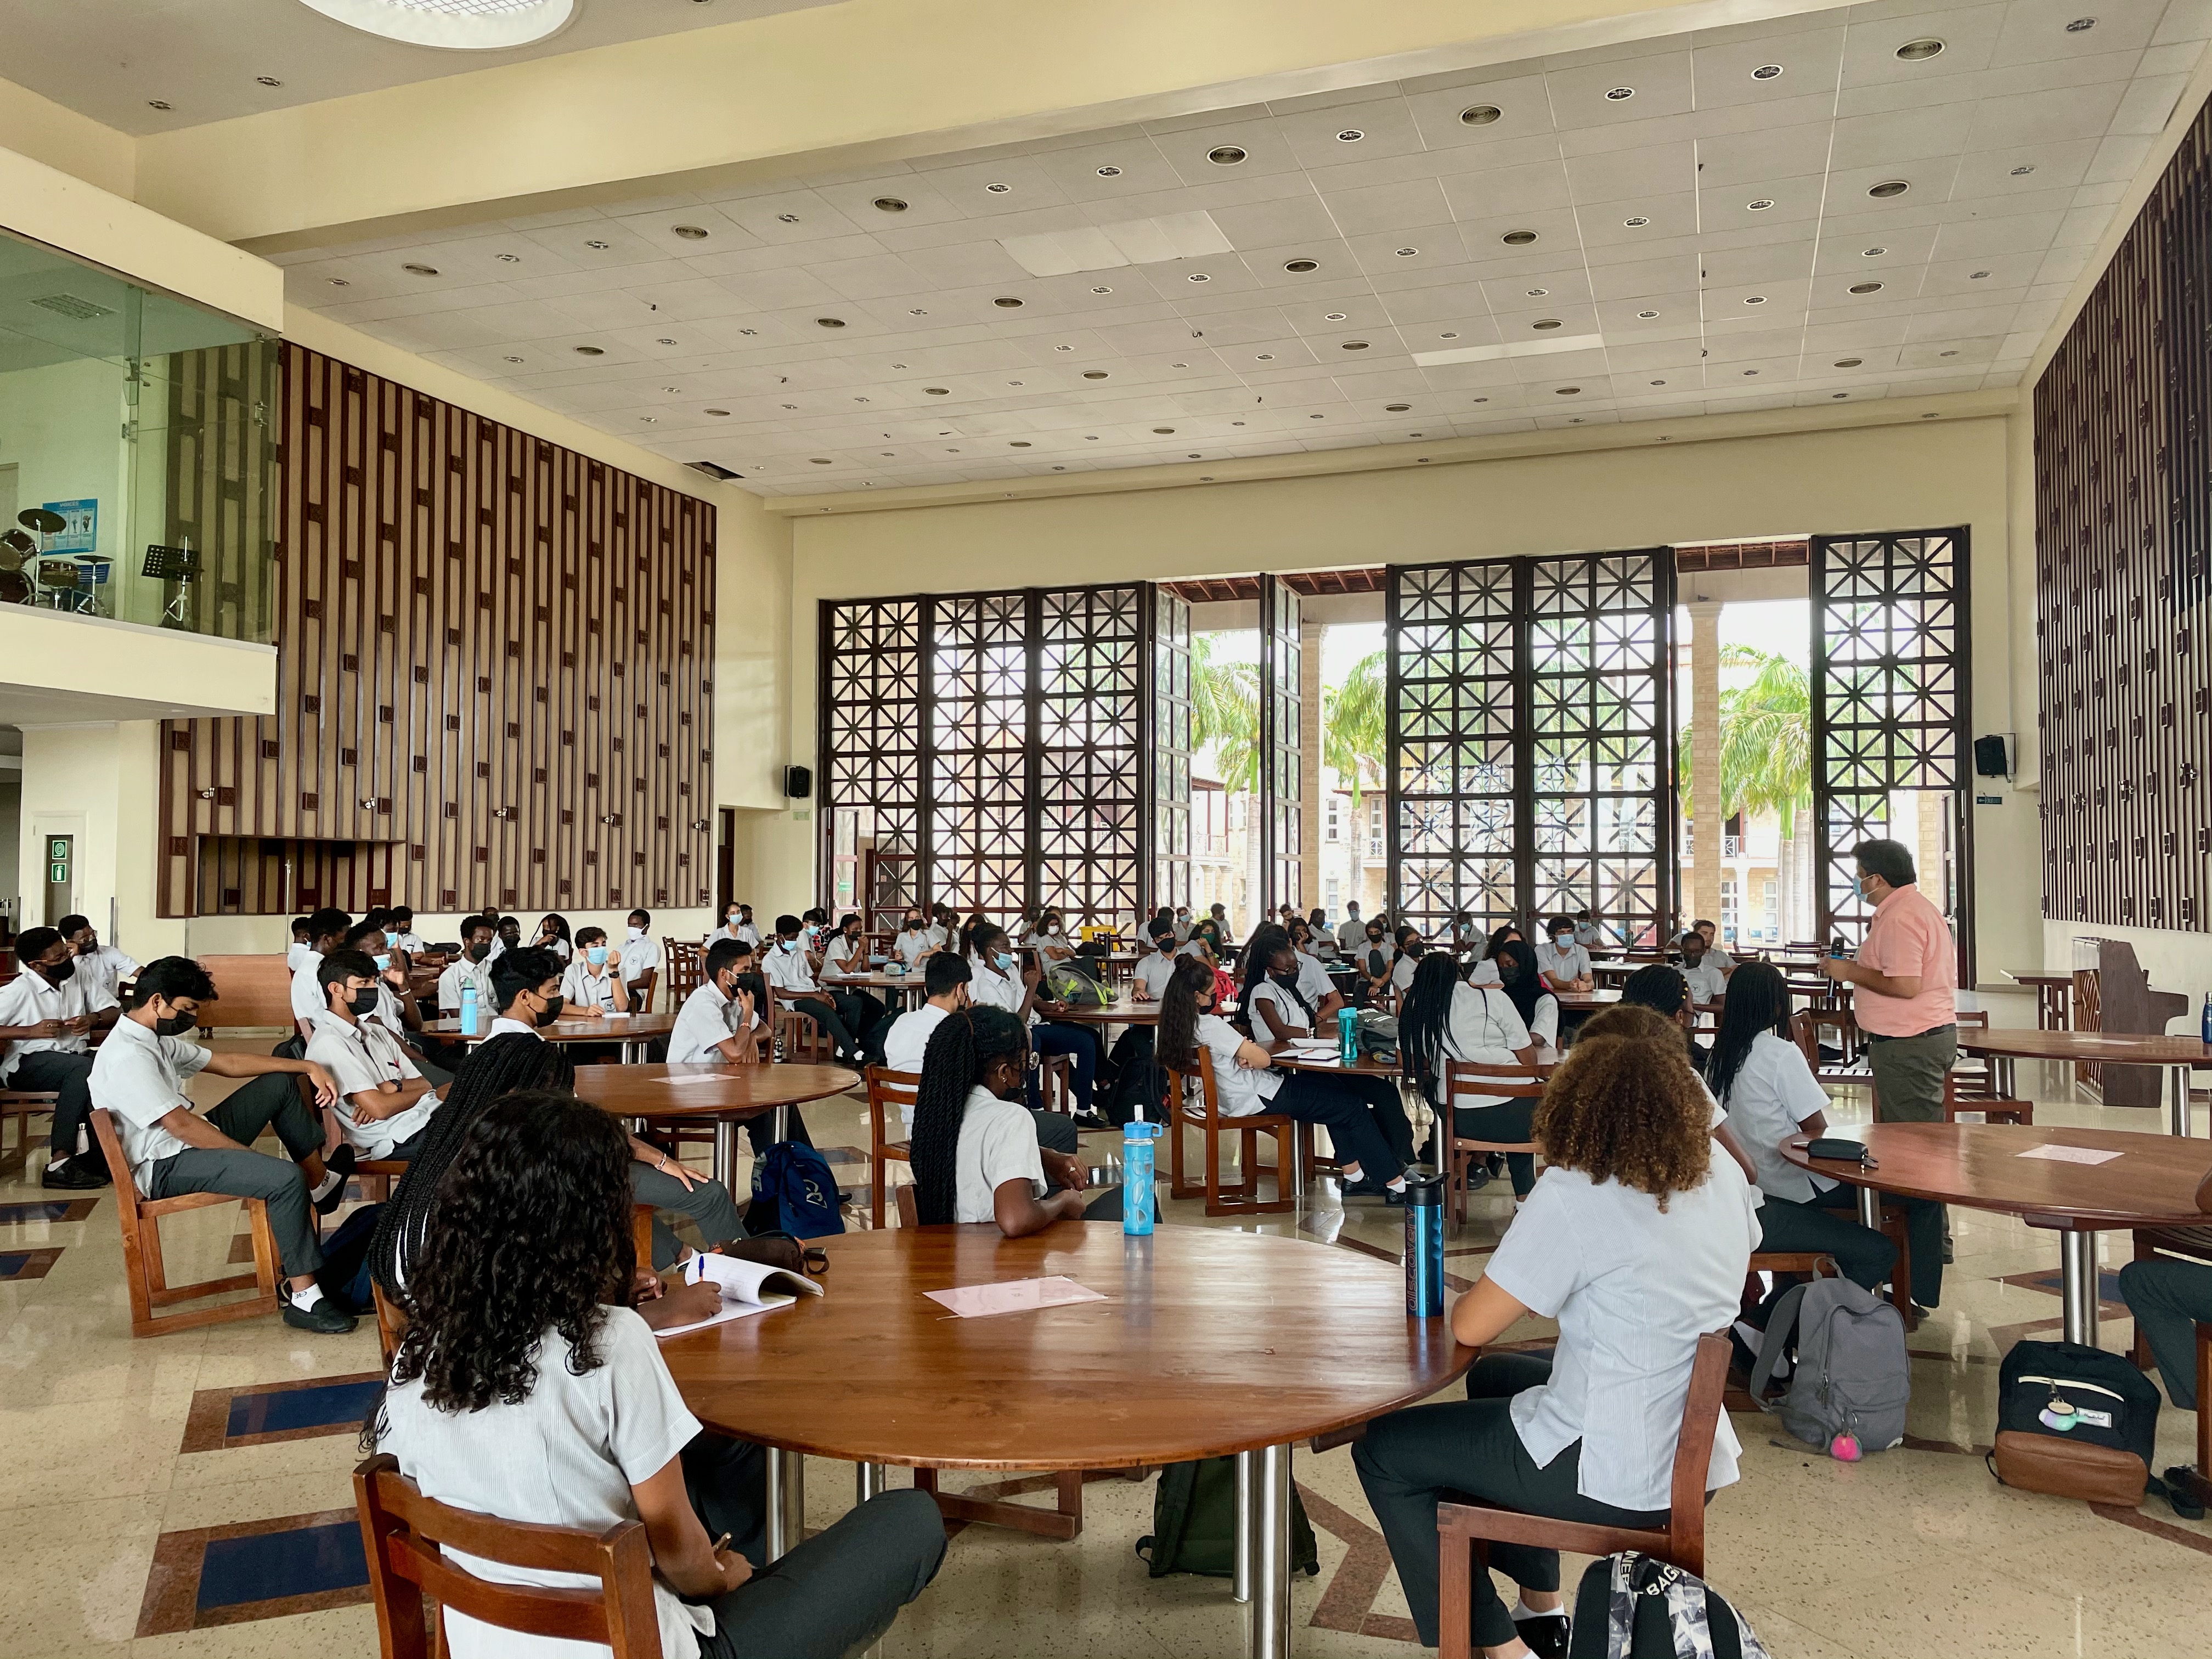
1122,1010
1210,1343
726,1095
2152,1183
2179,1054
633,1031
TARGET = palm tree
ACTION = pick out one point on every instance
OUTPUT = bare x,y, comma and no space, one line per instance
1224,711
1766,756
1354,727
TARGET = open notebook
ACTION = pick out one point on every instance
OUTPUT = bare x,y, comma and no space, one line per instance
748,1288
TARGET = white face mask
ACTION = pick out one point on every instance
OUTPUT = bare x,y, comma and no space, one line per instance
637,933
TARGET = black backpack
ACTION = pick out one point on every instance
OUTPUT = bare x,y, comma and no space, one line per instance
2075,1422
1194,1522
1634,1607
1136,1078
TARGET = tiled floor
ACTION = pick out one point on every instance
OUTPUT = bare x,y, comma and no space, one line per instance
189,1494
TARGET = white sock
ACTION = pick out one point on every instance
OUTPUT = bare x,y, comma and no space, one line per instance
309,1297
1399,1185
1522,1610
54,1163
323,1188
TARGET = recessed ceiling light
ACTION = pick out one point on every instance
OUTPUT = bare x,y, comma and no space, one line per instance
1482,400
1479,115
1754,299
1006,302
457,25
1658,382
511,259
1766,72
267,80
1163,430
1193,456
340,281
819,460
665,340
514,360
1060,469
1946,354
1448,334
1301,267
1873,252
1914,51
1350,136
829,322
1617,95
1975,275
786,218
937,390
1057,347
650,419
420,270
1265,357
1848,363
718,411
1354,345
1092,437
1417,434
1538,293
1094,373
1566,391
1889,187
1019,443
1102,290
1199,276
1751,371
1396,409
1759,206
688,232
673,388
1637,222
1316,418
748,330
2022,171
1178,365
1647,315
998,190
159,103
1226,155
1839,394
1408,253
1331,316
890,204
1013,383
2081,26
598,246
1109,172
1866,288
589,351
1518,238
1545,322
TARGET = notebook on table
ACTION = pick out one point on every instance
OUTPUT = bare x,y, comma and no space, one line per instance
748,1288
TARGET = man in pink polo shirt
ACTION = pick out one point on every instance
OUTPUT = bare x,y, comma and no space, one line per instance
1902,987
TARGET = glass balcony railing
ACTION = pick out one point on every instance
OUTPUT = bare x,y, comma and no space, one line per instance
138,451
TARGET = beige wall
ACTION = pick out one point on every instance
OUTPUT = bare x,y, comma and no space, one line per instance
1917,475
42,130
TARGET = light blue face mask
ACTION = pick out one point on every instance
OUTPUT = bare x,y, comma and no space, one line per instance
1005,961
596,955
383,961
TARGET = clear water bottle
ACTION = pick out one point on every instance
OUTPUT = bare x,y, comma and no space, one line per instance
468,1010
1138,1158
1348,1035
1425,1245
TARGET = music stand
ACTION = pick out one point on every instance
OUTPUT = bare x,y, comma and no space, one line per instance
180,565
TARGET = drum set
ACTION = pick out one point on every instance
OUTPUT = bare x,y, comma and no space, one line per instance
27,576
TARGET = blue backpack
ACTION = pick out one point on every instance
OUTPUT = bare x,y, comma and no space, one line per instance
801,1195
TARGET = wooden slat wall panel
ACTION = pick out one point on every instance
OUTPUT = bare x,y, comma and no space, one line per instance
2123,511
494,677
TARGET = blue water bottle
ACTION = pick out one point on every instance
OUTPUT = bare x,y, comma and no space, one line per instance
1348,1035
1425,1245
468,1010
2206,1024
1137,1161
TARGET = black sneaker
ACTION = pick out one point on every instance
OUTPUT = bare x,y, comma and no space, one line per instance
78,1174
1545,1634
339,1163
1090,1121
2179,1481
326,1318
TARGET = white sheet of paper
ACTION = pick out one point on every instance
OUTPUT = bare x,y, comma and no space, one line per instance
679,1082
729,1311
1013,1296
2072,1154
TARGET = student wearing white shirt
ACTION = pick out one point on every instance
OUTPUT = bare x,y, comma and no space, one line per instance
734,925
399,931
845,957
568,1417
1587,933
1285,993
1149,979
943,926
527,984
593,978
1514,969
509,937
1407,962
1486,971
99,965
944,982
1442,1019
1351,931
911,945
553,935
998,981
47,1017
748,929
384,1101
472,967
790,970
641,960
1660,987
397,1006
1318,941
1050,940
1564,965
327,931
1707,983
718,1025
1759,1075
1361,1112
297,953
138,1078
1588,1433
1182,924
975,1152
1372,962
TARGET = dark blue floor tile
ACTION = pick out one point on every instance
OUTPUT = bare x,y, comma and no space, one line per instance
255,1413
305,1561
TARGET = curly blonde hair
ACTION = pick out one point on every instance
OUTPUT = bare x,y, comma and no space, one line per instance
1625,1106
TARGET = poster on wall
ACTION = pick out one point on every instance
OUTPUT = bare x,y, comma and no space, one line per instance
80,531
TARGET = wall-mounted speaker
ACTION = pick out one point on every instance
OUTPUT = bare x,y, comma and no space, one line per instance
1993,756
799,782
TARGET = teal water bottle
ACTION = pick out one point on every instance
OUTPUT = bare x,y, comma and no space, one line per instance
1137,1161
1425,1245
1348,1035
468,1009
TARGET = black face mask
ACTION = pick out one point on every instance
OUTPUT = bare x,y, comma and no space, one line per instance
750,983
914,924
478,952
175,1025
552,1011
56,973
364,1002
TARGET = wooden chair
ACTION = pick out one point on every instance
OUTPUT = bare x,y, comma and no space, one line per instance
405,1537
1473,1081
142,1269
1807,1024
687,968
1464,1529
1970,1085
1056,1082
887,1088
802,1039
22,1105
1243,1198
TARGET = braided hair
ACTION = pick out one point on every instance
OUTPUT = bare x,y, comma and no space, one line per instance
1758,1001
509,1063
960,1050
1425,1019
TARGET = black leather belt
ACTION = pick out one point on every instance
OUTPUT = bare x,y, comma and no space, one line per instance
1872,1036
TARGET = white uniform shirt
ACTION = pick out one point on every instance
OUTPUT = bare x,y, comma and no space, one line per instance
1181,928
1153,972
1558,966
295,955
1350,935
987,986
937,936
909,948
1237,1091
1403,972
728,930
138,1078
1484,1029
846,958
1194,949
28,1000
639,956
307,998
1485,973
505,1027
1364,958
1706,984
1772,1092
1314,982
750,931
1586,935
704,1020
411,943
1633,1287
908,1041
568,1456
359,1057
997,1144
587,987
107,968
461,971
1283,1015
787,971
560,947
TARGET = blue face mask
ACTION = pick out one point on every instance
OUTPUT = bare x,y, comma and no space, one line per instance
596,955
1005,961
383,961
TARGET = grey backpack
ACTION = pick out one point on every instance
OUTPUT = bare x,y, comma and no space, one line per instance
1852,1375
